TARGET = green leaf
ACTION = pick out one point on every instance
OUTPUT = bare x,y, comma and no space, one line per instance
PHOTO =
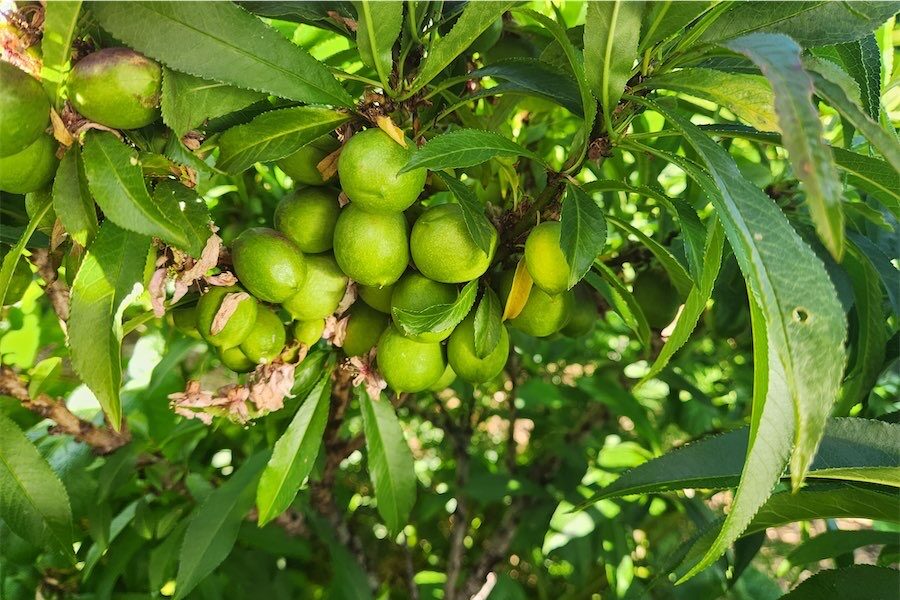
487,323
748,96
611,33
33,501
437,317
582,232
390,461
819,23
677,273
117,184
294,454
222,42
464,148
836,542
663,19
778,57
871,175
476,17
60,21
45,371
377,28
184,202
622,301
859,582
109,278
536,78
862,60
188,101
72,199
477,224
274,135
214,525
15,253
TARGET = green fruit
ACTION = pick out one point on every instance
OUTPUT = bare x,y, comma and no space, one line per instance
372,249
185,320
18,283
442,248
543,314
445,381
268,264
545,260
239,324
656,296
416,292
408,365
309,332
30,170
321,293
116,87
301,166
236,360
368,169
266,340
24,109
584,314
488,37
378,298
307,218
364,326
466,362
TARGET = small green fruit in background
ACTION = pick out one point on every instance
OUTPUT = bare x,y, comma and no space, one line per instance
185,320
24,109
543,314
309,332
236,360
368,169
465,361
31,169
442,248
116,87
266,340
545,260
268,264
378,298
238,326
307,217
656,296
302,165
408,365
321,293
584,314
364,326
371,248
416,292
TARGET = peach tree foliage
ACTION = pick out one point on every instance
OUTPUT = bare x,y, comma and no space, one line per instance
726,181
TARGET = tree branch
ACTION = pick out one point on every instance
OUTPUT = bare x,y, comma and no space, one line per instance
55,289
460,437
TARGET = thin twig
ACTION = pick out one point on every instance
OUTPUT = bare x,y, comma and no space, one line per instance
55,289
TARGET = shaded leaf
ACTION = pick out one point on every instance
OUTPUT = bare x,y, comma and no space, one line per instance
437,317
487,323
676,272
871,175
663,19
862,60
859,582
172,196
377,28
534,77
622,301
72,199
464,148
477,224
582,232
188,101
830,544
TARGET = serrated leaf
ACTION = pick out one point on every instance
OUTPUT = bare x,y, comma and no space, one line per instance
390,461
184,202
222,42
862,60
534,77
857,581
274,135
188,101
11,259
214,525
778,57
663,19
377,28
60,21
611,34
72,199
871,175
33,501
464,148
622,301
117,183
673,268
437,317
582,232
488,323
46,370
109,277
477,224
836,542
294,454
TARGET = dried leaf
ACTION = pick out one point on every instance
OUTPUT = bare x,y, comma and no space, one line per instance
60,132
389,127
271,384
223,279
335,330
157,291
349,298
327,167
518,294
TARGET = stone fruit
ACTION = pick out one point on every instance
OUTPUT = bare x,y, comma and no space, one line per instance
445,381
24,109
408,365
268,264
545,259
239,324
307,218
465,361
378,298
266,340
309,332
321,293
656,296
185,320
368,169
416,292
302,165
442,248
364,326
236,360
116,87
543,314
371,248
584,314
30,170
